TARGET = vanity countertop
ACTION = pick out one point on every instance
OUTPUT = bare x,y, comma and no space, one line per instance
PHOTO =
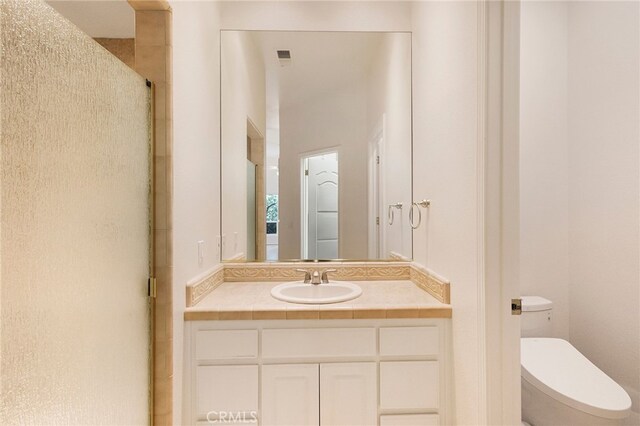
379,299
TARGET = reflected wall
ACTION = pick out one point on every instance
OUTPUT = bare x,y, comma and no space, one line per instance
298,95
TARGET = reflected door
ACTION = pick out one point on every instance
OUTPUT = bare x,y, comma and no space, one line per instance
321,176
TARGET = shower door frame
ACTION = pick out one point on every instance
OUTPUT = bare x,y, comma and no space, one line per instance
153,29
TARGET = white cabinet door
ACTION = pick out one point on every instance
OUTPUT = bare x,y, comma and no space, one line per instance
348,394
290,395
227,390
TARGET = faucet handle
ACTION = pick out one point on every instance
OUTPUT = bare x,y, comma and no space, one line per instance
325,278
307,275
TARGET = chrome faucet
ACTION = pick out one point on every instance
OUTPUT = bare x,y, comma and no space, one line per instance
314,277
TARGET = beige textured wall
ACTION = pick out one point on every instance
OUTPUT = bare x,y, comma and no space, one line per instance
122,48
75,226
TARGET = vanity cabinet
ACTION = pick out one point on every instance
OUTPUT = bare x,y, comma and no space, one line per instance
392,372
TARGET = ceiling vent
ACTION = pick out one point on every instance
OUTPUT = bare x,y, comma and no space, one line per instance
284,57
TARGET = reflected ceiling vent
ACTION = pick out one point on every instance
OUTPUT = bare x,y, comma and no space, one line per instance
284,57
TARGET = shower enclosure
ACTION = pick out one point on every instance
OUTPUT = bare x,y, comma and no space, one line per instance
75,226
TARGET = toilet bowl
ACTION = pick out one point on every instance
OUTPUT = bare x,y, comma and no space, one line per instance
560,386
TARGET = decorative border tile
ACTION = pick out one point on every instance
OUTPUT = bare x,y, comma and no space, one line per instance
374,271
430,282
200,288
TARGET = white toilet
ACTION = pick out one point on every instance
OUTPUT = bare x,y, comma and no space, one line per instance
560,386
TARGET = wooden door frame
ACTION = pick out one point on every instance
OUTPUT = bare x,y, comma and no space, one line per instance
381,229
257,155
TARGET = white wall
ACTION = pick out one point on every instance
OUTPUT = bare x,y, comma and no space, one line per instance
604,191
317,15
243,97
445,100
544,157
196,97
196,160
108,19
580,171
337,120
389,95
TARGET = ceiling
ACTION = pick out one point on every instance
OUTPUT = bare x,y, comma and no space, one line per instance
321,61
99,18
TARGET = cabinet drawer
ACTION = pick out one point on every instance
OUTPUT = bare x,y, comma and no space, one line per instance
409,341
226,344
318,342
227,389
409,385
410,420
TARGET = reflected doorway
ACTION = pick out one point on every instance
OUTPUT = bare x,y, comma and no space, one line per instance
251,211
256,227
320,206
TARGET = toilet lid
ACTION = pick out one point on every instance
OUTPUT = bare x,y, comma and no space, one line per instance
559,370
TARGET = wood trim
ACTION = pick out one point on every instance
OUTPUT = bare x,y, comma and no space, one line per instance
146,5
481,182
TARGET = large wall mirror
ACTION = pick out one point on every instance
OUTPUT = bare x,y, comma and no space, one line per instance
316,145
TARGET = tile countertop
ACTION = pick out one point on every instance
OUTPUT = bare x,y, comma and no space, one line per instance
379,299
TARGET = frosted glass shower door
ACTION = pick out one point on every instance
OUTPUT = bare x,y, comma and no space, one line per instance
75,225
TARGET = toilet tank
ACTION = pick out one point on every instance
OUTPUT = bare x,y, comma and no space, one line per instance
536,317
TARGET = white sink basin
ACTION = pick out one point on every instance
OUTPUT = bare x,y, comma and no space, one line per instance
334,292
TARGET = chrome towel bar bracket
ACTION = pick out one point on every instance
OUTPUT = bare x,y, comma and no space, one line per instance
390,214
424,204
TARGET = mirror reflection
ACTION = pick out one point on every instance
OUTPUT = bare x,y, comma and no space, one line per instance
316,145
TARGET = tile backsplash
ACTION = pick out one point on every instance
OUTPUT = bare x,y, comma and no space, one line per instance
345,271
